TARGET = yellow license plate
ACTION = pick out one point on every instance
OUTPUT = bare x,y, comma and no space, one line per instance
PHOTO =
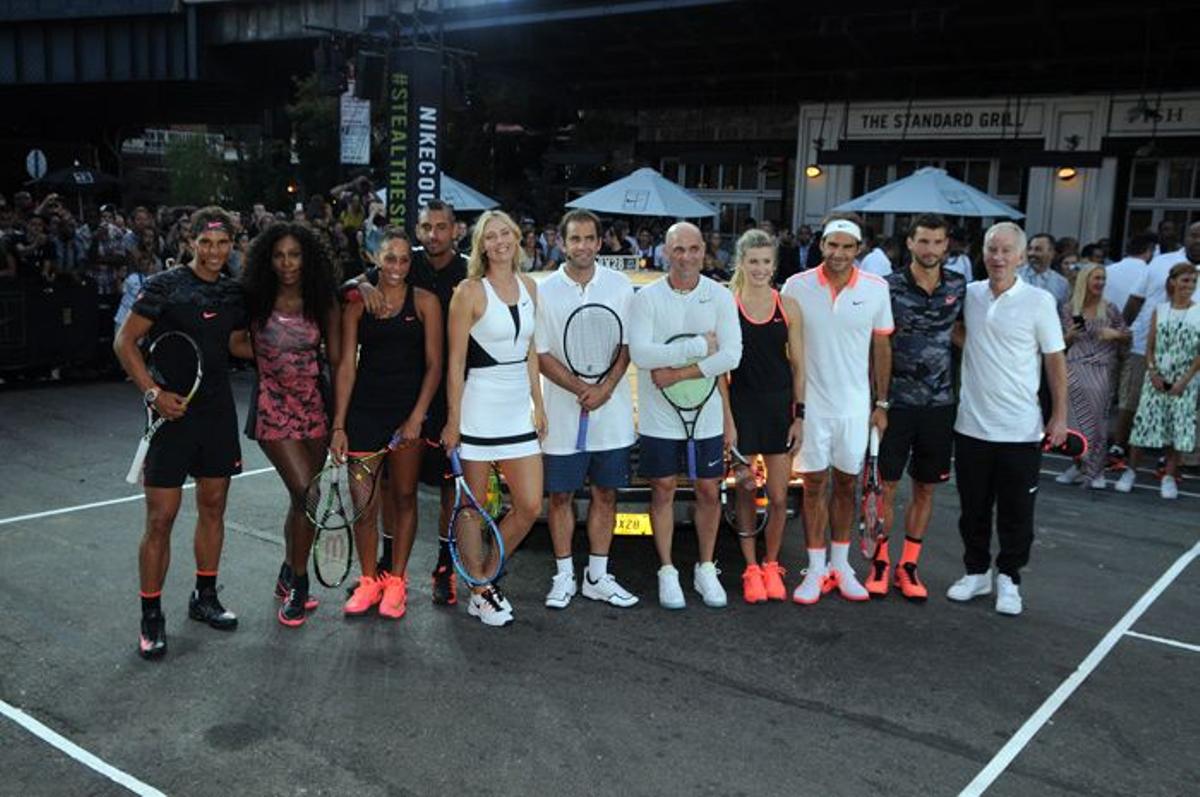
633,525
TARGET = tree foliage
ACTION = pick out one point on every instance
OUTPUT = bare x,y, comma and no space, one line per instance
314,118
196,174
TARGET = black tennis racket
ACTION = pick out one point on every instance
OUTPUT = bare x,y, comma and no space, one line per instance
870,523
476,545
176,365
688,397
328,505
592,345
744,473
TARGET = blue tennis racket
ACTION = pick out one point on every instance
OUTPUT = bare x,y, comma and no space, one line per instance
476,545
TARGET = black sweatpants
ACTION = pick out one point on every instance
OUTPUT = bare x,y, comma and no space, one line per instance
1003,477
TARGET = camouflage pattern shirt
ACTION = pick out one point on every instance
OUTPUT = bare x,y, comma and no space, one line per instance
922,374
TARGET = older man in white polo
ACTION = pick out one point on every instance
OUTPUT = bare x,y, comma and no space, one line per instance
1011,327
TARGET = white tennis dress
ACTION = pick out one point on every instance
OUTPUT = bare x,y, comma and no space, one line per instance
497,406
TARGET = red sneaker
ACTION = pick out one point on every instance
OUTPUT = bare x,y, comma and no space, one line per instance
772,575
368,593
395,597
753,589
908,583
877,578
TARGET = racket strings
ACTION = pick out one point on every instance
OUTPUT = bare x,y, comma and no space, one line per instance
476,544
172,363
591,343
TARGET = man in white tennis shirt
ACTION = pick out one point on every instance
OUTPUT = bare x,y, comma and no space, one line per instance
683,302
604,462
847,321
1012,329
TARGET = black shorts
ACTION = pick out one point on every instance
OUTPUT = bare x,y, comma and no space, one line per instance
202,444
762,419
927,433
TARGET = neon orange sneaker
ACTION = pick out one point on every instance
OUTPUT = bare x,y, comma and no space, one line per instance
773,575
368,593
908,583
877,578
753,589
395,597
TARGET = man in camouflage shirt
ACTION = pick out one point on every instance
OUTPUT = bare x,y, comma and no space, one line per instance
927,305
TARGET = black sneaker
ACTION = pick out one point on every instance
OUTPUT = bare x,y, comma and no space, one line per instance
445,585
152,642
292,613
283,584
205,607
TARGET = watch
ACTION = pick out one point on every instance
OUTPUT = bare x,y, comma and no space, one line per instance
151,395
883,404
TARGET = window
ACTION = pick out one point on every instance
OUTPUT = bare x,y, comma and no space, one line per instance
1162,189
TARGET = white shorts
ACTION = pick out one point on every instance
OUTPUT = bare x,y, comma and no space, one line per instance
837,442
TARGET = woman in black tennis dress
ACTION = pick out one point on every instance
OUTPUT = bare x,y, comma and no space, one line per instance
389,371
766,406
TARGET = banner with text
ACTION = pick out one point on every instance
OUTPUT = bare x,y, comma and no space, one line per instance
414,133
355,128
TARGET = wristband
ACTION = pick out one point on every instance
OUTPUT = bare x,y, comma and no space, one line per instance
798,410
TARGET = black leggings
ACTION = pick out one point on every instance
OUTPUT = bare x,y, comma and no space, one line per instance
1003,477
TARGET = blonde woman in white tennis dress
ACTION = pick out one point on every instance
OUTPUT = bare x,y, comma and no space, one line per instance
493,389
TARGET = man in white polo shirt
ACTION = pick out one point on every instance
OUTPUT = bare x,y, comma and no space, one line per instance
683,302
847,321
1011,327
604,461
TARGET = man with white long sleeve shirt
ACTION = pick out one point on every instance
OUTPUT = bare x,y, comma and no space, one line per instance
683,302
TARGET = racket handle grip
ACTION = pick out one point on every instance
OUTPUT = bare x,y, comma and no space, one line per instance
581,438
395,441
691,456
873,443
139,458
455,463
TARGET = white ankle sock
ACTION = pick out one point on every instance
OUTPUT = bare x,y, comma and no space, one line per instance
597,566
839,555
816,560
566,566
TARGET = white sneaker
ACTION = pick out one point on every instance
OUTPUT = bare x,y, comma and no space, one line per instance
1098,483
1068,476
1125,483
809,590
708,585
1008,596
970,586
607,589
562,589
670,594
487,607
1169,489
848,585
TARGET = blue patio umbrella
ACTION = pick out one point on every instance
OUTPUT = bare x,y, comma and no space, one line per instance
931,190
645,193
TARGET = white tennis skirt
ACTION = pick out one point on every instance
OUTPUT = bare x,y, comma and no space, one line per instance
497,414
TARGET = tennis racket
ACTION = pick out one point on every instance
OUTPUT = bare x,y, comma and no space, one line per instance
328,505
1075,445
744,472
476,545
870,522
688,397
175,364
592,345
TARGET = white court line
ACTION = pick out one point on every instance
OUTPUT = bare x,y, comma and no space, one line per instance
64,744
1109,489
1039,718
1175,643
95,504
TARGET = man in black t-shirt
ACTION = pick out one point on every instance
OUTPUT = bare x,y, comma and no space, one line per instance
200,438
436,267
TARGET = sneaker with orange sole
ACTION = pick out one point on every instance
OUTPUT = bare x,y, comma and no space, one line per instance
772,574
395,597
877,578
368,593
908,583
753,589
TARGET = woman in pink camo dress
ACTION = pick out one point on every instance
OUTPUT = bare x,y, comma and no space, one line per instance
289,282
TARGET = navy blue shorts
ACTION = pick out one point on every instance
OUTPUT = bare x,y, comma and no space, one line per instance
659,457
565,473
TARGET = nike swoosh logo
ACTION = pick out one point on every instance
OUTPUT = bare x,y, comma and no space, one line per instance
856,303
706,300
206,315
714,463
410,318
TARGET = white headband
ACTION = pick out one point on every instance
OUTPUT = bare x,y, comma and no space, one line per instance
842,225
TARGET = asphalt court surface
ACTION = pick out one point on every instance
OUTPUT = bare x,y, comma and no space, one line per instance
778,699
